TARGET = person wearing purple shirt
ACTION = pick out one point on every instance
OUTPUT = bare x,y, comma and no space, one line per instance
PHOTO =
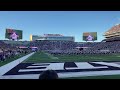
90,37
14,36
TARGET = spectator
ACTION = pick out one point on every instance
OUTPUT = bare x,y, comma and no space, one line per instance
48,74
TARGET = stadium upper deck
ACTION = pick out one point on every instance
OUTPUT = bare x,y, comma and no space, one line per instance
56,37
113,32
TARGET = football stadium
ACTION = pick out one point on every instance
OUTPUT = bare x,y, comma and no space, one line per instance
69,59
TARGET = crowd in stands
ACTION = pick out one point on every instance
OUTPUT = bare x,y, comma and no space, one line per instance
111,39
7,51
53,45
62,47
93,48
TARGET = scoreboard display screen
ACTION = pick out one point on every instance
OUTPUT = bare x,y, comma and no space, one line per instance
90,36
13,34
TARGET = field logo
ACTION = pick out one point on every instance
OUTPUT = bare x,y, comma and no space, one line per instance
67,69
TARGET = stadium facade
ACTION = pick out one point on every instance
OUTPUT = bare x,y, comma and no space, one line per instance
52,37
113,34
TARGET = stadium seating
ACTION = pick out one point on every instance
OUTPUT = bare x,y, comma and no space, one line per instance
53,45
94,48
9,51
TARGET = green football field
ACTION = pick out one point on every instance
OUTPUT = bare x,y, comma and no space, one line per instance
45,57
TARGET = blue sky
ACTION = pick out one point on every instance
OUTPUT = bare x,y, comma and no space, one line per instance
72,23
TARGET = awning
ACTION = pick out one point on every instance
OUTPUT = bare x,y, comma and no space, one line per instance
33,47
82,47
22,47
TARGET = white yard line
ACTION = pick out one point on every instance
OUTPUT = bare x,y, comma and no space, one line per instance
84,74
34,66
51,56
63,75
9,66
31,76
40,63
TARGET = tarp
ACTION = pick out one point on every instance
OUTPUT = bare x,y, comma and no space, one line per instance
82,47
33,47
22,47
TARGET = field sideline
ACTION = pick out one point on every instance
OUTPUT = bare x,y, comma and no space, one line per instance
11,59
